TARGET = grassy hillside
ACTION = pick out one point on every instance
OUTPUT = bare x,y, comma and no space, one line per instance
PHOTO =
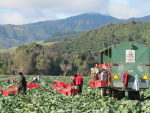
14,35
14,48
100,38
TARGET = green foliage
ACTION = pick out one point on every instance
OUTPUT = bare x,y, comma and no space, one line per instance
84,69
44,64
62,36
21,47
4,68
78,54
100,38
49,100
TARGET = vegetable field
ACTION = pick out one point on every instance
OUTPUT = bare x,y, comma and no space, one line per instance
51,101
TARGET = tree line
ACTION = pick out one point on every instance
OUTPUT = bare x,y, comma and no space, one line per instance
35,59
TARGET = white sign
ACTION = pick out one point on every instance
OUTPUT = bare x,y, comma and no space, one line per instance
130,70
130,55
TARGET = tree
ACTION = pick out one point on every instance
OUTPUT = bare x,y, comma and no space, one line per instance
65,68
84,69
81,56
22,62
78,62
4,69
35,48
21,47
44,64
5,56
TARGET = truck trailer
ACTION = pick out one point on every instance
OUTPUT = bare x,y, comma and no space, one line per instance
128,65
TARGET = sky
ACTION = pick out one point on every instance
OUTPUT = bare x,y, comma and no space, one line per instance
30,11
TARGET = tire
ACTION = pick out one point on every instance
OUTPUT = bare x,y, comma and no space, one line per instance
110,93
134,95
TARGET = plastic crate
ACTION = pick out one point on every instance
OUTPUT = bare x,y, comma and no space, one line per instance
92,84
65,85
59,82
100,83
54,86
65,93
33,85
75,91
1,90
56,81
11,88
5,93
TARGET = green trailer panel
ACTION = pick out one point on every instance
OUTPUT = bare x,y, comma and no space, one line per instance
128,59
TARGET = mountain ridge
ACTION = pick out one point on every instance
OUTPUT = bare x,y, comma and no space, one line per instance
14,35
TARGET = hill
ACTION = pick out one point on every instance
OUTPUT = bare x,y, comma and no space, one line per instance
74,55
14,35
14,48
100,38
61,36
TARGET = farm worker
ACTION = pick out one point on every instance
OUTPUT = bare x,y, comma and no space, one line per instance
13,80
95,74
23,83
79,83
92,69
8,81
34,79
103,72
105,66
72,80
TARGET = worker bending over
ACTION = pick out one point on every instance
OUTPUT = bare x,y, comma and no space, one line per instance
72,80
34,79
23,83
8,81
13,80
79,83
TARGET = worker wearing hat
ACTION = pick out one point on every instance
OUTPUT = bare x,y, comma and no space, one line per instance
8,81
23,83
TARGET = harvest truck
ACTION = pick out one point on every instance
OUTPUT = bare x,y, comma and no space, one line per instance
125,61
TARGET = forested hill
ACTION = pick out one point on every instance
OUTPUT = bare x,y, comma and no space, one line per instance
74,55
99,38
61,36
14,35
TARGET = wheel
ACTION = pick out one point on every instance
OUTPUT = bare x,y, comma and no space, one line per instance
120,95
110,93
130,95
134,95
137,95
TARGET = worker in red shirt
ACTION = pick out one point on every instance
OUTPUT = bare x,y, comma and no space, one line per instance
13,80
8,81
79,83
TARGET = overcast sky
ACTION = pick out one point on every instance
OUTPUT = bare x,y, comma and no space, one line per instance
30,11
